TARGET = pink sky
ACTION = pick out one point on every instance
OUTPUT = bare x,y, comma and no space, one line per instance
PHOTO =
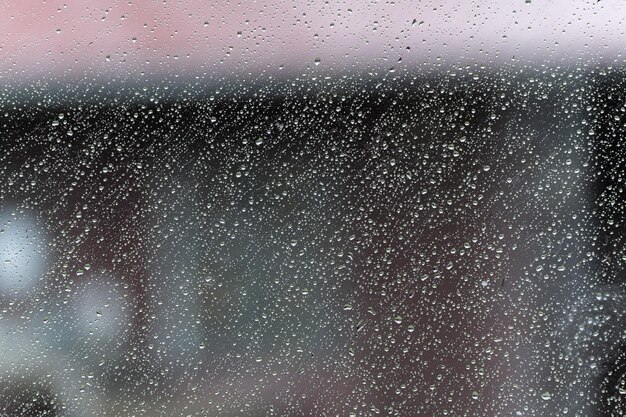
63,38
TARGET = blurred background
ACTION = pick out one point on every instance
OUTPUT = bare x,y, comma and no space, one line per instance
305,208
51,40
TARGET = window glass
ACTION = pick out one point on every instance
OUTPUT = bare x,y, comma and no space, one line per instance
291,208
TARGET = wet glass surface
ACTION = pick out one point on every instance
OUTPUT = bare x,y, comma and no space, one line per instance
436,235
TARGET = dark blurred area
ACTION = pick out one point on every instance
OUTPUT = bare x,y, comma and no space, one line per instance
428,245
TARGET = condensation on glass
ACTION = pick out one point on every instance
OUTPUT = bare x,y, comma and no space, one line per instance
312,208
